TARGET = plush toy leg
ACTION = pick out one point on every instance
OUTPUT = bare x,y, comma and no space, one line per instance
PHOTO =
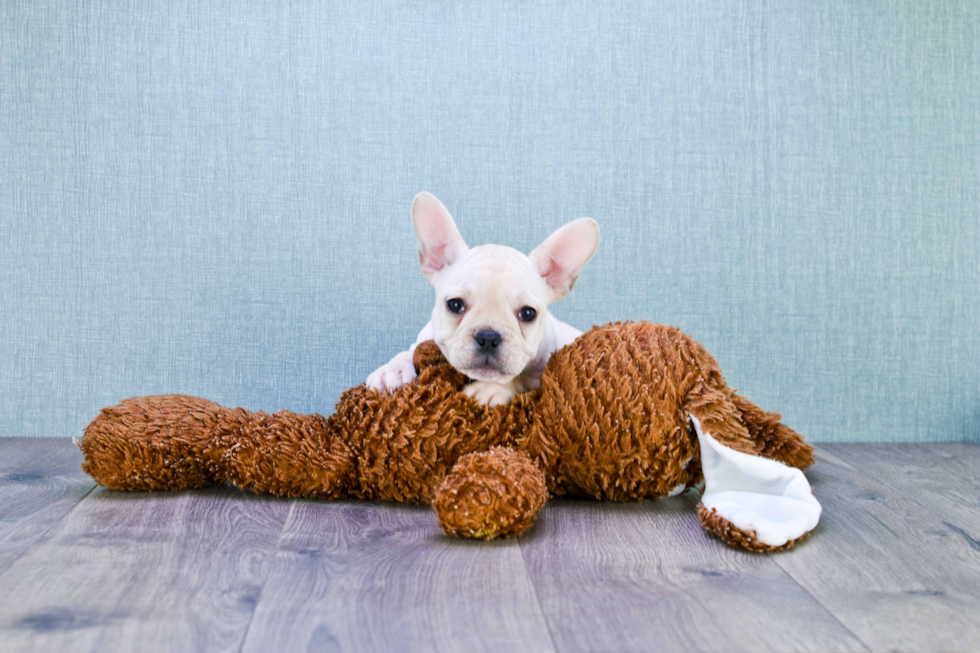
751,501
152,443
176,442
495,493
286,453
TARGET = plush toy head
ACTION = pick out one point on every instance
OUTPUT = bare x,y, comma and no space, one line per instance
628,412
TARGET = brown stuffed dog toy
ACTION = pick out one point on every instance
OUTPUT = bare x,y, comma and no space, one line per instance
627,412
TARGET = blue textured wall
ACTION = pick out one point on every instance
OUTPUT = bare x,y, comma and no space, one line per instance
212,197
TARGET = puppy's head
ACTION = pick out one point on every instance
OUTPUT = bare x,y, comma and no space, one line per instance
492,301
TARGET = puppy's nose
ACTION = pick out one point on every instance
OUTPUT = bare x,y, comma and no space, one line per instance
488,341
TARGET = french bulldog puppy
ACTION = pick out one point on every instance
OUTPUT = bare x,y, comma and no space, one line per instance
491,318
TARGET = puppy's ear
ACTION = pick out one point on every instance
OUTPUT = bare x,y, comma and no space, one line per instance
562,256
439,241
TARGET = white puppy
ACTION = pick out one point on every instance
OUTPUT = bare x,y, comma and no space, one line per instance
491,318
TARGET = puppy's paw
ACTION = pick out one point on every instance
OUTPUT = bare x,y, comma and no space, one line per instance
491,394
397,372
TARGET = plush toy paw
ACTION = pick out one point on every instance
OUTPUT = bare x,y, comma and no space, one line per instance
495,493
397,372
490,394
734,536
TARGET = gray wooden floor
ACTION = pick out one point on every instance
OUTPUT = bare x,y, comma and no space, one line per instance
894,565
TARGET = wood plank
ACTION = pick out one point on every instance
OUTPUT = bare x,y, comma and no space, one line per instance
888,567
147,572
363,576
645,576
895,561
40,482
941,474
943,477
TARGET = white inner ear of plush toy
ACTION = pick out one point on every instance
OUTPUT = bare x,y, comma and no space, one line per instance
755,493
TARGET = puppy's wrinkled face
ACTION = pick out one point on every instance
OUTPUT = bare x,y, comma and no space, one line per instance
490,317
489,314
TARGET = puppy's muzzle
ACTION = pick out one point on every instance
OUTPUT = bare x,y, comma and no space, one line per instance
488,341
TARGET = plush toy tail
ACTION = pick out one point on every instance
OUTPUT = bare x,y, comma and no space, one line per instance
176,442
779,442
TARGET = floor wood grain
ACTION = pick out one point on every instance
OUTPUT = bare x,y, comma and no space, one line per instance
945,476
894,565
356,576
144,572
886,560
40,481
642,577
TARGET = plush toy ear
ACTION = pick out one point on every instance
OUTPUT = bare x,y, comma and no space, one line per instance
439,241
562,256
768,501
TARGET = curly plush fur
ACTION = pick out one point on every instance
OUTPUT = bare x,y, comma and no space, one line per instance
610,421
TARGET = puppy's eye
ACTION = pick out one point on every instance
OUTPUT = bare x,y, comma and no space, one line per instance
456,306
527,314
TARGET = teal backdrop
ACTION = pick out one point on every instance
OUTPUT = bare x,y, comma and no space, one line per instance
212,197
